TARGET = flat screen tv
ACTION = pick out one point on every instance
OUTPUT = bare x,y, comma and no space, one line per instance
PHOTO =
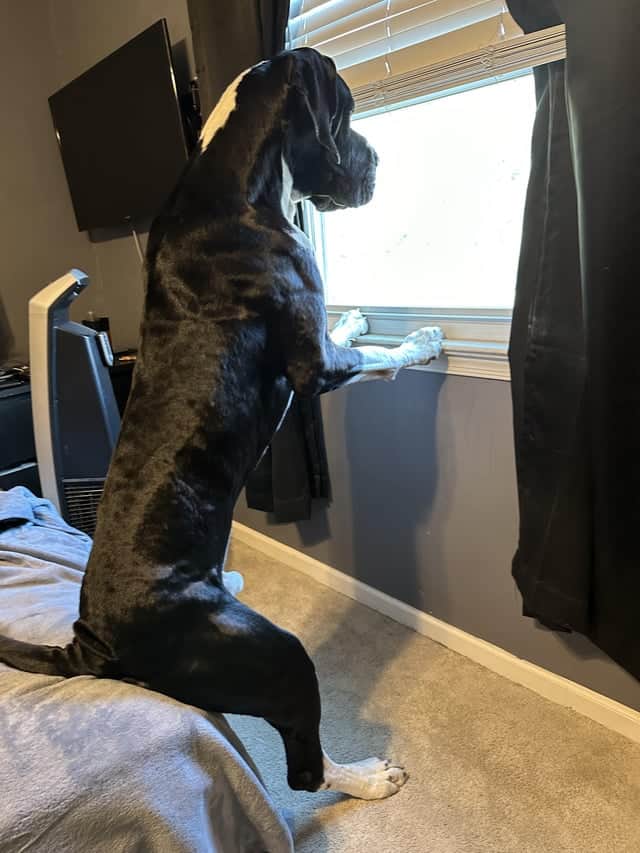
121,134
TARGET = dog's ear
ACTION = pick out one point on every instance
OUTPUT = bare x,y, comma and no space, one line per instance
313,79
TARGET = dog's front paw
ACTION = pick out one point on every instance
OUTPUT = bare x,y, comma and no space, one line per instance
425,344
350,325
233,582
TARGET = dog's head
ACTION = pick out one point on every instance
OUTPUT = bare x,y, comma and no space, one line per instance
330,163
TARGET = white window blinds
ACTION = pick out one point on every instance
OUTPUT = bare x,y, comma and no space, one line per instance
392,50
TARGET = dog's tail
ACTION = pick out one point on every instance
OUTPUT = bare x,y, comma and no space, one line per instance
46,660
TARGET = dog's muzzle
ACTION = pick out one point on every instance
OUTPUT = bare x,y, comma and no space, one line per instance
355,183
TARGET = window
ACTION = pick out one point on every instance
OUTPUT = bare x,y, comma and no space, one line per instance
444,92
443,229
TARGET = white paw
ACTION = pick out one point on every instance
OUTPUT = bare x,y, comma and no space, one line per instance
370,765
426,343
351,325
233,582
372,779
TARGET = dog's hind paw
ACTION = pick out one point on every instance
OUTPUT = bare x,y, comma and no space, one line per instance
371,779
233,582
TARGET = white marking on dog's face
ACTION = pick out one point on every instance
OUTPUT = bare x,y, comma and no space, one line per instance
220,113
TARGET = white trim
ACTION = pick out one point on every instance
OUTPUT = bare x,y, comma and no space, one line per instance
463,324
609,713
471,358
479,359
476,342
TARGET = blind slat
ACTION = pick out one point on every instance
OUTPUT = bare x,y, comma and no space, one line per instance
432,51
299,8
380,45
322,27
384,38
377,21
371,32
449,68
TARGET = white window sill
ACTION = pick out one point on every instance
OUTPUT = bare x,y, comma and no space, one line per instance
475,344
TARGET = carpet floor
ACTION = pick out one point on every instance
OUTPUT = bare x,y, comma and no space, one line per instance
494,768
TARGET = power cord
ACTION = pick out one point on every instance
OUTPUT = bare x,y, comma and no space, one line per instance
136,240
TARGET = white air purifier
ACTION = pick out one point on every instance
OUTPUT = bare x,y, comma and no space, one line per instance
75,415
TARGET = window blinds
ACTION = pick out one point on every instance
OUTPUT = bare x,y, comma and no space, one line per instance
394,50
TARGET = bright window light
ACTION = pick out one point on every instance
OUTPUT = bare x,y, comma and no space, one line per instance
444,227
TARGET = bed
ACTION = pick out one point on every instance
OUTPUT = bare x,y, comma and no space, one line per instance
98,765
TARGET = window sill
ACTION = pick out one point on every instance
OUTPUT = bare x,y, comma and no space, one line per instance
476,343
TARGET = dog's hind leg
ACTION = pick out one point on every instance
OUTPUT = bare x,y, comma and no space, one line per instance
232,660
298,722
235,661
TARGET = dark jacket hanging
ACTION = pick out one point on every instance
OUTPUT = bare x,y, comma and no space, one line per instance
575,375
227,38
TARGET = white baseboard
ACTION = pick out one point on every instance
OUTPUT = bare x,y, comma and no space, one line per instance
607,712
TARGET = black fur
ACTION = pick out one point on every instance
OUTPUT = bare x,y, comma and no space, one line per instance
234,319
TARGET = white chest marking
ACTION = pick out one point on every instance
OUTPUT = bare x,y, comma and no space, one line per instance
287,201
220,113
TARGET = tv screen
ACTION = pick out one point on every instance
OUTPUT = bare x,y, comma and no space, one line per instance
120,132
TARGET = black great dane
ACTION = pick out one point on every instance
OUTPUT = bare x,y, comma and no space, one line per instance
234,323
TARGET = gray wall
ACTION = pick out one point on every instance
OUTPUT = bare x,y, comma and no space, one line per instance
38,236
424,508
83,32
44,45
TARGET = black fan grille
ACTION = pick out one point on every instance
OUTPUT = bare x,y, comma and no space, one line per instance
82,498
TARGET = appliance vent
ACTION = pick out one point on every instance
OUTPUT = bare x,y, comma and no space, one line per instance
82,498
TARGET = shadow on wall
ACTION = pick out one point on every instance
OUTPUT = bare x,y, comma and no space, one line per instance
6,336
392,495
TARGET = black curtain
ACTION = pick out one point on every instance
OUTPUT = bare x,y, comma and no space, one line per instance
575,374
227,38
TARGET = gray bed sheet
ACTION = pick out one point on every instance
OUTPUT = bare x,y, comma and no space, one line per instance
97,765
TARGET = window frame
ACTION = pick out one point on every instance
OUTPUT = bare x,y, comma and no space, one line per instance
476,339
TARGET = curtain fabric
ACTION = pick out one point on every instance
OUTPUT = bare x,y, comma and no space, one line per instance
575,375
227,38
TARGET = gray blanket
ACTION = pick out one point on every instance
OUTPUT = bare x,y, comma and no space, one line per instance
97,765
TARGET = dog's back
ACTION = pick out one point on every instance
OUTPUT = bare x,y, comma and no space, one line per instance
207,395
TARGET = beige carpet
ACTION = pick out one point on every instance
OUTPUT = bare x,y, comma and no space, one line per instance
493,766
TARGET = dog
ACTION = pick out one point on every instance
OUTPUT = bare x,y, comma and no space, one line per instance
234,324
